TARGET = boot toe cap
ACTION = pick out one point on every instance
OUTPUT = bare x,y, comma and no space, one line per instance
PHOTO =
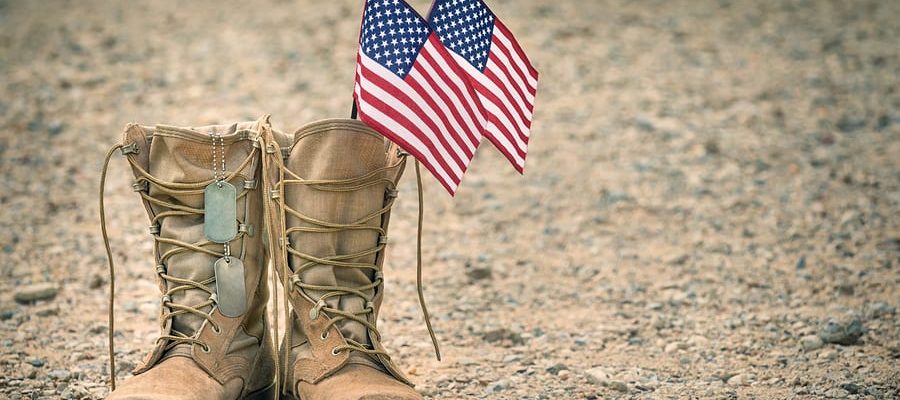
177,378
358,382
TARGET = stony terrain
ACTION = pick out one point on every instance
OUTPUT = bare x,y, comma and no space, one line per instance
711,207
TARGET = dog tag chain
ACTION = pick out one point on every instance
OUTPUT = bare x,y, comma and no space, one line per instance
220,226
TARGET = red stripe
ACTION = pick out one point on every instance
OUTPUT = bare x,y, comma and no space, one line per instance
503,150
417,109
409,125
510,138
472,107
474,110
431,81
492,97
497,44
504,91
442,114
498,66
518,49
374,124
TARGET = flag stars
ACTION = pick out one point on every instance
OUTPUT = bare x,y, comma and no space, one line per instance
393,35
466,28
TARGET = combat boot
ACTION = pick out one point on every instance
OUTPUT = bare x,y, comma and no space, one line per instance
331,208
201,189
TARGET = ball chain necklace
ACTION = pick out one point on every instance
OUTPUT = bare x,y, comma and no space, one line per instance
220,226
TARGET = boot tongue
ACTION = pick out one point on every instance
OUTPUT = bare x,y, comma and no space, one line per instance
336,150
185,156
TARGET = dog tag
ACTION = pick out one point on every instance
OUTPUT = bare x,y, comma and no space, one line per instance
220,215
230,289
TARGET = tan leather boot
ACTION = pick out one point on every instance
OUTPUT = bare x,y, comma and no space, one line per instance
336,194
215,343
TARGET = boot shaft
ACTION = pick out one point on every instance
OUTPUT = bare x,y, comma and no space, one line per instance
338,185
339,225
172,167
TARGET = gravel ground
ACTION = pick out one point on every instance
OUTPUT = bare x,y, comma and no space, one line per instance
711,207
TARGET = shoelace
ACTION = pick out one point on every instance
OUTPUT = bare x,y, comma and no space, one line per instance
336,315
173,210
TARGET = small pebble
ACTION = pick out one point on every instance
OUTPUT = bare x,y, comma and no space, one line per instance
845,330
618,386
811,342
498,386
38,291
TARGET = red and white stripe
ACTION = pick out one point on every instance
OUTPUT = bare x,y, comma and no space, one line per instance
506,89
432,113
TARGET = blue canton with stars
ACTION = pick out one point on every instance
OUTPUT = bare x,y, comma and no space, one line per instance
393,34
466,27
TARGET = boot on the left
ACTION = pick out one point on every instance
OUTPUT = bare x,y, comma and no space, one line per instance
201,189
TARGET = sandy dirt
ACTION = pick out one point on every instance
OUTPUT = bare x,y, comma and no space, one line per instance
711,207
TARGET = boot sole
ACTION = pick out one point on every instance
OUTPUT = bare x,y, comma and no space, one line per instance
266,393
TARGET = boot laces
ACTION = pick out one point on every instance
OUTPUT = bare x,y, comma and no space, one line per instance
309,261
174,284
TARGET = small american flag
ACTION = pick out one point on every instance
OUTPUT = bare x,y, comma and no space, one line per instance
497,68
410,89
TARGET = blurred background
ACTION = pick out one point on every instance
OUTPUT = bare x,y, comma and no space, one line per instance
710,207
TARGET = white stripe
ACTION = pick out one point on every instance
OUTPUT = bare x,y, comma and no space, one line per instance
512,51
492,108
529,98
497,111
398,105
504,142
422,81
356,82
413,140
509,88
460,84
442,86
492,87
478,75
417,98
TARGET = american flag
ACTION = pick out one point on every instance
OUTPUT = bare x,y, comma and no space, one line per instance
410,89
497,68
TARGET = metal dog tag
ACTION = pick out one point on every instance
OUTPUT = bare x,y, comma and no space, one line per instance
230,289
220,215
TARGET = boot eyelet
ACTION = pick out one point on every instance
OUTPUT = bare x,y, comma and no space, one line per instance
204,348
217,330
335,351
324,335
